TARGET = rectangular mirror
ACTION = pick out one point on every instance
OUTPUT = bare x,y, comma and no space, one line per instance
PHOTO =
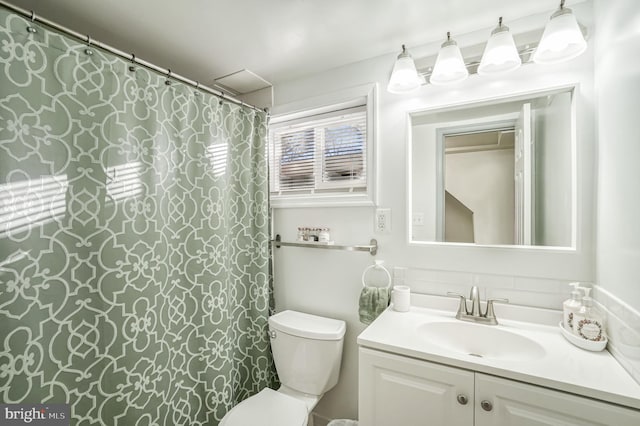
495,173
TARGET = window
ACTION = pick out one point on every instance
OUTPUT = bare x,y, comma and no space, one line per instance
322,157
321,154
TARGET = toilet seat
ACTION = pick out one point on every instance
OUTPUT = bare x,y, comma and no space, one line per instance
267,408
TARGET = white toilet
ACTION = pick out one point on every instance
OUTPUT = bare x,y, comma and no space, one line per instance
307,350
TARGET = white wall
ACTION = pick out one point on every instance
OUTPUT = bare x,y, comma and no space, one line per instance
618,93
328,282
617,82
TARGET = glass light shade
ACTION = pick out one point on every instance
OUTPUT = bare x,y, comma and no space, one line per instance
449,67
562,39
500,54
404,77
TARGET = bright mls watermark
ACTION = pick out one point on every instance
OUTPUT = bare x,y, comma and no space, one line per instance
35,414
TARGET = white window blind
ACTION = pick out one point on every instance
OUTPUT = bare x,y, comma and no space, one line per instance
320,154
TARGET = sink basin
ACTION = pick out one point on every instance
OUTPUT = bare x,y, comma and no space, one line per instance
482,341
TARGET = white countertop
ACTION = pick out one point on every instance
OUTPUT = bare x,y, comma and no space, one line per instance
563,367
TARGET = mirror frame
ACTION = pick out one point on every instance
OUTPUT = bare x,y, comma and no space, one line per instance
575,202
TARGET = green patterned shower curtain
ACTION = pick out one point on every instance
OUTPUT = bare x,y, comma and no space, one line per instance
134,241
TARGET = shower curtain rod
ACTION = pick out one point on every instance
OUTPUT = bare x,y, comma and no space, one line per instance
29,14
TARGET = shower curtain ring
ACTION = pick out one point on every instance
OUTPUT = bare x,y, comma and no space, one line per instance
132,68
88,51
168,82
31,29
197,93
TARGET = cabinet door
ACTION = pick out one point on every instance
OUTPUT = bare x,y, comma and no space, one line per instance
400,391
519,404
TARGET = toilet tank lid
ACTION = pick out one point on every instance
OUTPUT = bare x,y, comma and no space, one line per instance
308,326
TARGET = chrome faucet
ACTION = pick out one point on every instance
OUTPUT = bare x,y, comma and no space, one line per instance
475,313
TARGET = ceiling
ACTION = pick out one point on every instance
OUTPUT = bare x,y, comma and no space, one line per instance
279,40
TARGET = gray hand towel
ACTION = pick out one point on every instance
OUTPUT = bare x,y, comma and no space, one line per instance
373,300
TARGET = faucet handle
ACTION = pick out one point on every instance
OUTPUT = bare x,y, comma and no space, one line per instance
490,313
462,308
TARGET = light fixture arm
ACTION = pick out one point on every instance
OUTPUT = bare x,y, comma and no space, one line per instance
500,28
449,42
404,53
561,10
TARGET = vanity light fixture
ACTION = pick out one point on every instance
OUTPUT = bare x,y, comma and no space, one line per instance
404,77
562,39
500,54
450,67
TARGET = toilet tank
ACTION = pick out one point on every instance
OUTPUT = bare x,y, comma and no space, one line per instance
307,350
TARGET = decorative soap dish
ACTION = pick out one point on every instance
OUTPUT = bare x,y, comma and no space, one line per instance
588,345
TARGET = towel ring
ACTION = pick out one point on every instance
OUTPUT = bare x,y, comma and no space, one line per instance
377,265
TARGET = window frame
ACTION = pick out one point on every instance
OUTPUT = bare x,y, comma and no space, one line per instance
331,103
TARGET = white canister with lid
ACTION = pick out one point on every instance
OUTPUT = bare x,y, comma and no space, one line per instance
401,298
324,236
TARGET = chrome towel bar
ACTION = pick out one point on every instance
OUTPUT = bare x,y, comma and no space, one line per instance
372,248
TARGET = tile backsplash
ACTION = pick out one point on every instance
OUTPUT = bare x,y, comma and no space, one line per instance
527,291
623,322
623,329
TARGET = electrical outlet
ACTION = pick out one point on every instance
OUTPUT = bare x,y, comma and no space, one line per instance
383,221
418,219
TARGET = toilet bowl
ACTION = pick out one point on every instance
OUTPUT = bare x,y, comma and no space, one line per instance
268,408
307,351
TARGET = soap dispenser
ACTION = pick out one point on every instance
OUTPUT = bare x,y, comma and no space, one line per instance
588,323
571,306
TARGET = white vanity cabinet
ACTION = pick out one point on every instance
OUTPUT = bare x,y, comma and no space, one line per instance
401,391
502,402
397,390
